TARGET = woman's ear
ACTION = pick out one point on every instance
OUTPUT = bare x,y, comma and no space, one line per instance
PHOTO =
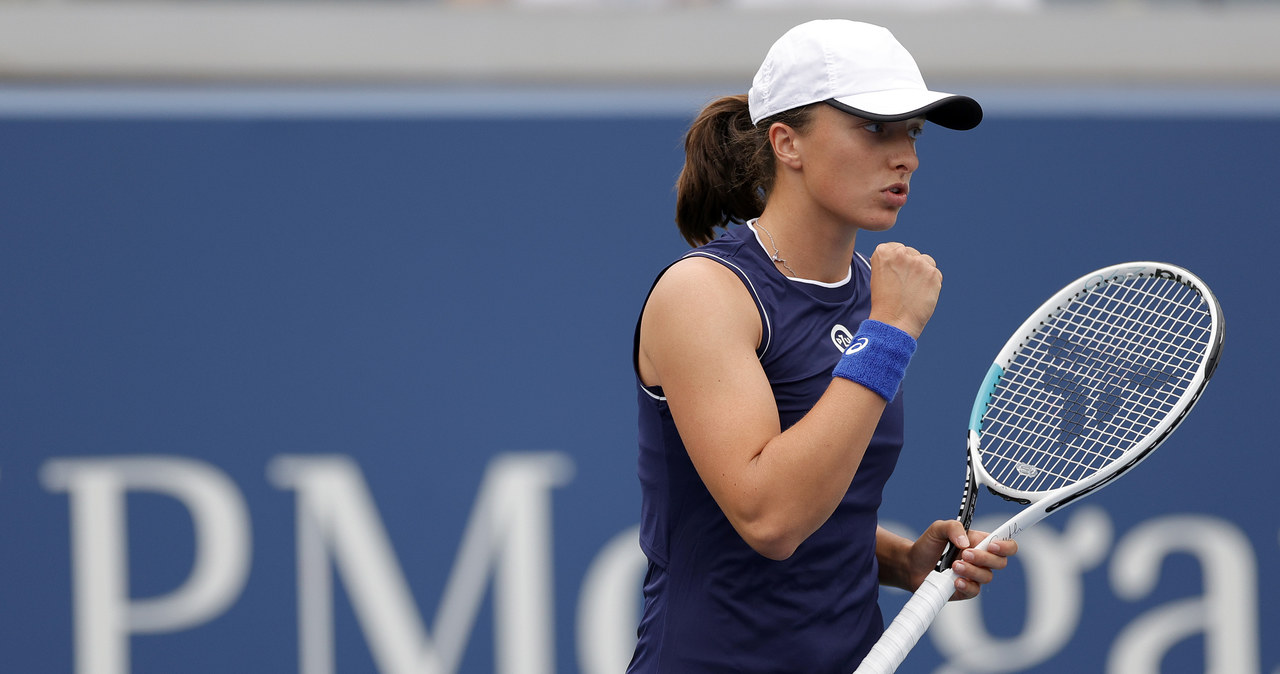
785,143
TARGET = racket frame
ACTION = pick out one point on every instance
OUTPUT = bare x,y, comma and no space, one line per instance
1053,499
937,588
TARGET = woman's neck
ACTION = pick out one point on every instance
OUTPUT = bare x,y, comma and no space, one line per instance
806,246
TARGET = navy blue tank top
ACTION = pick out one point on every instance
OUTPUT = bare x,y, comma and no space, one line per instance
711,603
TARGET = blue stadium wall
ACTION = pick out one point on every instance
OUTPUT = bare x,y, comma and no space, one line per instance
328,391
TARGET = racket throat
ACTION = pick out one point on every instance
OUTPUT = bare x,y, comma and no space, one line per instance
965,516
948,558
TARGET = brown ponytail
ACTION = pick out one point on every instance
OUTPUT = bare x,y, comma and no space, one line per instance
728,168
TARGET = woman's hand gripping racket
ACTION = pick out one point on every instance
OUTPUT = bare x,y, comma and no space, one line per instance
1086,388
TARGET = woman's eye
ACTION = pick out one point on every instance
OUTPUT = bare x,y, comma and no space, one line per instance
915,132
874,127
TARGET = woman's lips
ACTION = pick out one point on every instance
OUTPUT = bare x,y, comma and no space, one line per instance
896,194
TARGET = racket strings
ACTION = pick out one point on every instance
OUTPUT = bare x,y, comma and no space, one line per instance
1094,380
1076,406
1081,405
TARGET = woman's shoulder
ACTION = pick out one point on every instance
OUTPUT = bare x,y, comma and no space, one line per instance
699,274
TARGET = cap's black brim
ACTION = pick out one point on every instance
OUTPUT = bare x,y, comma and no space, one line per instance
954,112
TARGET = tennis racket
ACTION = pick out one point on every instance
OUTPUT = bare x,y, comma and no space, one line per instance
1086,388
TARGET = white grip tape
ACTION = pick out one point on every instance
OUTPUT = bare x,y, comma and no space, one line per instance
911,624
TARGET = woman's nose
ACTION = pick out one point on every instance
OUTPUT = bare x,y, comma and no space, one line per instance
905,158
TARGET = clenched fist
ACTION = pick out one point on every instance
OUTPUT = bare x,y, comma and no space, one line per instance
904,287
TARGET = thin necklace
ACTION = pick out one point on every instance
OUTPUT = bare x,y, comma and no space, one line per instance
776,252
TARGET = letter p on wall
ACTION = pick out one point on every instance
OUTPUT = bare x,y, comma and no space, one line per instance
104,614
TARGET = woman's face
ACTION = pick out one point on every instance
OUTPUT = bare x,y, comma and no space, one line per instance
858,170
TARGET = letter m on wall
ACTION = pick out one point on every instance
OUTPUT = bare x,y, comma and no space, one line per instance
507,538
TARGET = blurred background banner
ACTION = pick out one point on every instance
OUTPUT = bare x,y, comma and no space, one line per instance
317,318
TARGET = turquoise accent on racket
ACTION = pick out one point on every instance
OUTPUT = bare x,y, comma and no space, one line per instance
985,392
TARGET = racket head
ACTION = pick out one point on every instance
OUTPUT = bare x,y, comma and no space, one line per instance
1093,381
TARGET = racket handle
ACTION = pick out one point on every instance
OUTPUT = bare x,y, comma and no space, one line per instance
910,625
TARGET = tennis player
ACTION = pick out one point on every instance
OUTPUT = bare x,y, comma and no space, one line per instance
770,360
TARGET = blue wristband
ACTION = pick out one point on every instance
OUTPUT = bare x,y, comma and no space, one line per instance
877,358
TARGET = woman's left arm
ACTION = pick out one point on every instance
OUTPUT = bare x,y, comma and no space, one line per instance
905,563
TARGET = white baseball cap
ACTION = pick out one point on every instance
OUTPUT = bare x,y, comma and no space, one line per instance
857,67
